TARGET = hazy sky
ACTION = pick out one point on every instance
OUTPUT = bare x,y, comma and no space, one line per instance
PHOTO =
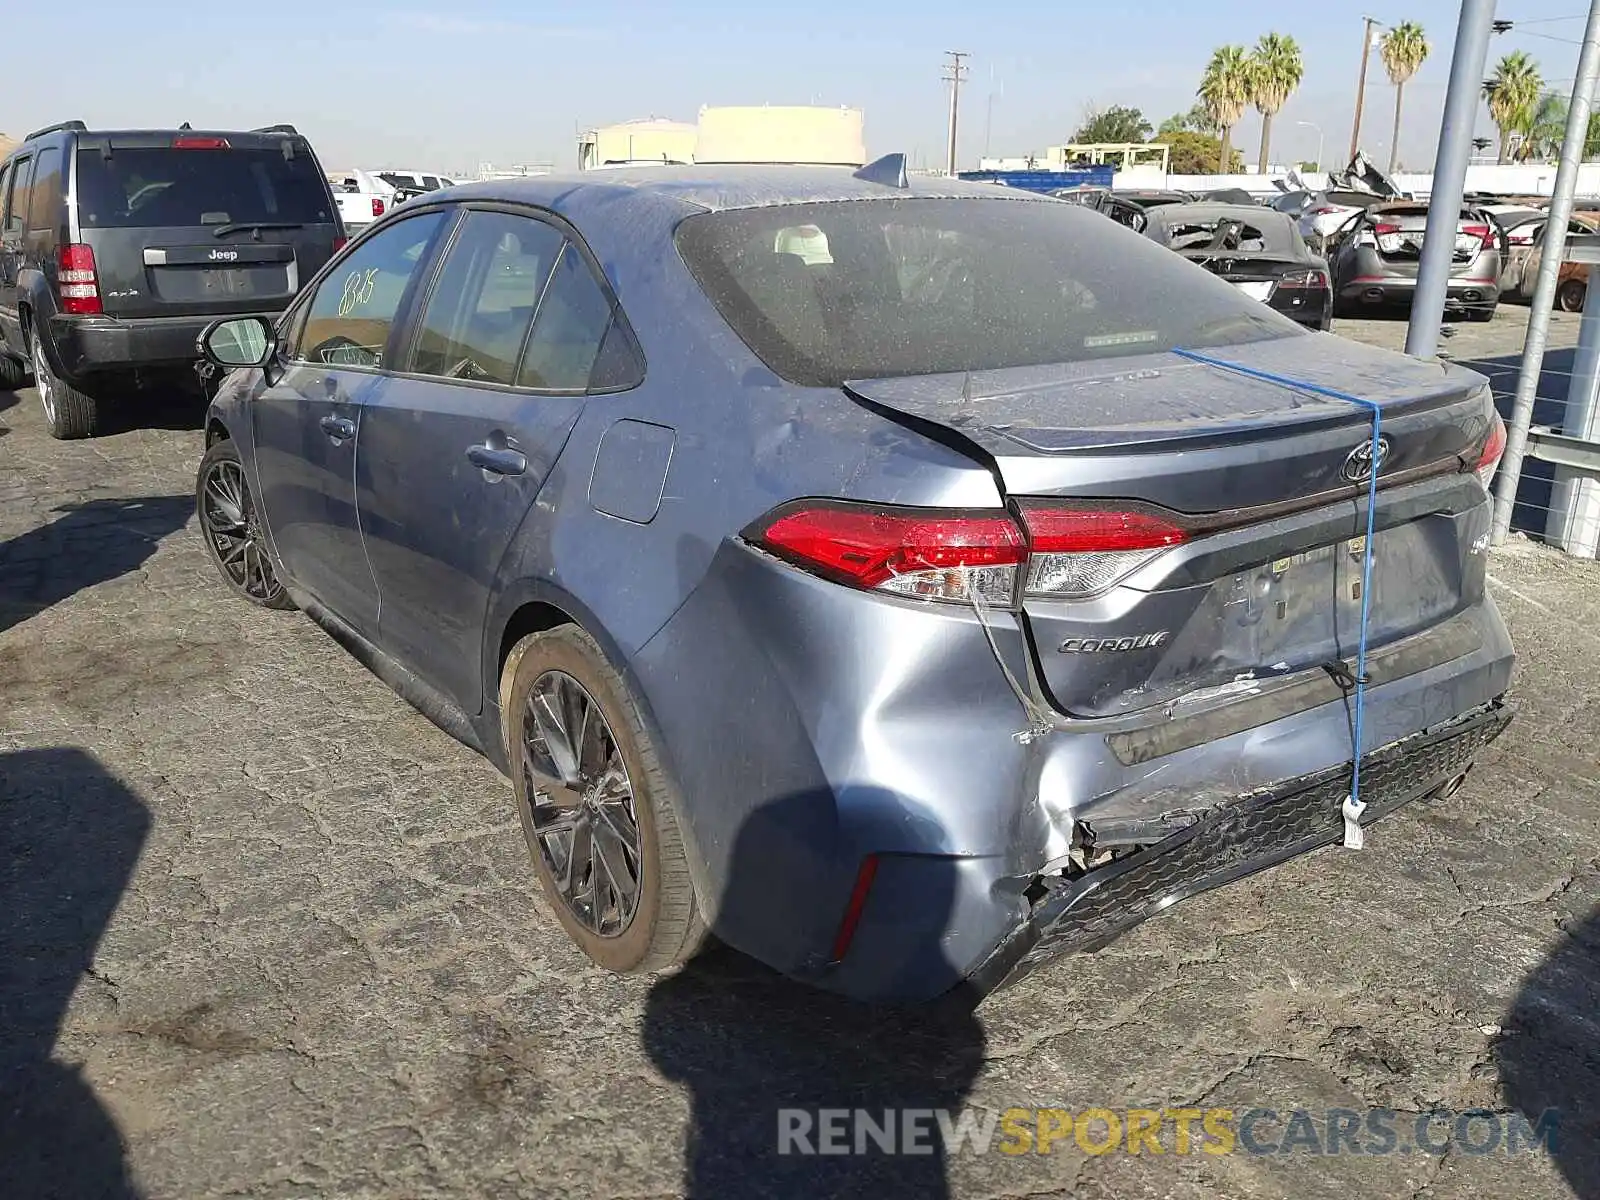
403,84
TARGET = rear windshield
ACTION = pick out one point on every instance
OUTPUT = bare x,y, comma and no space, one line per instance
164,187
824,293
1245,233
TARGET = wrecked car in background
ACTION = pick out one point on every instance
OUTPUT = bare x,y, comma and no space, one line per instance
1376,254
907,611
1257,250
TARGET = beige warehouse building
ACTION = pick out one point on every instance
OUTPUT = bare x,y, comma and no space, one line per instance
733,134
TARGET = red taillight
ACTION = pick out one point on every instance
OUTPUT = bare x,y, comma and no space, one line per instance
79,284
339,243
1384,227
377,207
1082,530
933,553
939,554
200,143
1322,210
1482,232
1311,279
854,909
1077,552
1493,447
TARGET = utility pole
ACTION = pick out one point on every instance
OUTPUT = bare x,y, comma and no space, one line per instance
1361,85
1450,176
954,72
1544,290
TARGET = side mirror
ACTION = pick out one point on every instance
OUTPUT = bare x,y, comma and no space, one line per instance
240,342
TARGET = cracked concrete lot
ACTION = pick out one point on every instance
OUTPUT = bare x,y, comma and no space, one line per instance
268,933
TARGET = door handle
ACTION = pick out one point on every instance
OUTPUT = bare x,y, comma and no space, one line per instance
340,429
496,461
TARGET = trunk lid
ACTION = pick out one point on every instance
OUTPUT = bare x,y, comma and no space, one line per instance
1267,580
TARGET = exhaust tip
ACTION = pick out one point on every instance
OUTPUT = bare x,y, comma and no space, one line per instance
1450,786
1372,294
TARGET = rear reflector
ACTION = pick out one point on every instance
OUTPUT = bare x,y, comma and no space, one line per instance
1493,447
200,143
80,285
377,207
853,910
1060,550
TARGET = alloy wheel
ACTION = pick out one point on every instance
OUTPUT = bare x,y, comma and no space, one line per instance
234,533
43,383
582,803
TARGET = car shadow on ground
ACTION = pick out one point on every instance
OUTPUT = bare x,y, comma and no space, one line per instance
1549,408
70,837
750,1043
1549,1052
163,402
88,544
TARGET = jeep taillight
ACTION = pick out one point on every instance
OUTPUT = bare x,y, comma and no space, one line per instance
80,285
1057,550
377,207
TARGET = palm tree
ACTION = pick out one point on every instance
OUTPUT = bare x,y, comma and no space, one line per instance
1512,92
1404,47
1275,71
1545,128
1225,90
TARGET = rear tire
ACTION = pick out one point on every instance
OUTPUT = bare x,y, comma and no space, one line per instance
613,810
13,373
69,413
1571,295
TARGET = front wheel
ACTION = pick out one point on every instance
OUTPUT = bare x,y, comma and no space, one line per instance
600,816
1571,295
231,527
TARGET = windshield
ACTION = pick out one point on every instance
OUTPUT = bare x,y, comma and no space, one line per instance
829,292
140,188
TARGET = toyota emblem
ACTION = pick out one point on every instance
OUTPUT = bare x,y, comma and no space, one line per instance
1360,465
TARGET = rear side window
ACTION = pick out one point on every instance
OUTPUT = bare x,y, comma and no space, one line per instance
824,293
349,319
149,188
16,197
45,195
478,315
572,323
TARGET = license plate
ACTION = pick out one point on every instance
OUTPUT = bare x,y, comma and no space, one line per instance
1256,290
228,282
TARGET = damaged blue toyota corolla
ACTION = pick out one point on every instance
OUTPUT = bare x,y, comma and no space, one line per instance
906,581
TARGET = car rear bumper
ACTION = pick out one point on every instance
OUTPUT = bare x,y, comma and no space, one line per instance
89,345
1387,289
831,727
1233,841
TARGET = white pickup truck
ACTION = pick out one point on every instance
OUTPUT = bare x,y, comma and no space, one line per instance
362,198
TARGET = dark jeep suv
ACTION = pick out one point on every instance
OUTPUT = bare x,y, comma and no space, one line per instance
120,247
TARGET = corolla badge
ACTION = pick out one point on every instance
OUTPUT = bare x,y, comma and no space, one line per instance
1361,464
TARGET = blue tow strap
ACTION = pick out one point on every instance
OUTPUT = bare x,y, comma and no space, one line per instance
1354,837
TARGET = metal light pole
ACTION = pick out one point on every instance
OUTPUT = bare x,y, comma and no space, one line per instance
1318,128
955,72
1361,84
1550,261
1450,177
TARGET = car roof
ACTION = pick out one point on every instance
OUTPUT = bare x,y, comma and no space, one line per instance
715,188
156,138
